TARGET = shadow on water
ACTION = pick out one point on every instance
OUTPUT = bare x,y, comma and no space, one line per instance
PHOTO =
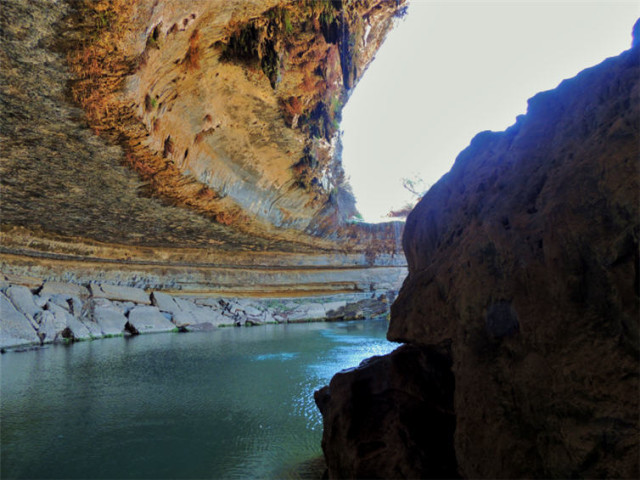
312,469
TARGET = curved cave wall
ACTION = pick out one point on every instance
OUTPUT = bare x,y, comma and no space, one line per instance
231,108
227,109
186,133
524,272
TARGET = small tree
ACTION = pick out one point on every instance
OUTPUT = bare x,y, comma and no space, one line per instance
417,187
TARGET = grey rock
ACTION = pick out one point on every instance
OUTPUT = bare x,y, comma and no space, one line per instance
208,315
119,293
252,311
124,307
93,303
334,305
110,320
63,288
310,311
70,303
164,302
72,328
269,318
92,327
22,299
25,280
184,304
235,308
61,300
78,330
15,328
148,320
334,310
201,327
76,306
40,300
191,314
183,319
49,327
253,321
209,302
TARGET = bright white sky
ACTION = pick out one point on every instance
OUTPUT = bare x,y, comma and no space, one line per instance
454,68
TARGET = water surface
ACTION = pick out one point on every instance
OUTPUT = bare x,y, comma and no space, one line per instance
233,403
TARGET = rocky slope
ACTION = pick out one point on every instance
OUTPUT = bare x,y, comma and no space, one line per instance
524,272
193,134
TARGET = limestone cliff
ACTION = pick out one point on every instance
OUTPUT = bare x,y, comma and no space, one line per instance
183,131
524,270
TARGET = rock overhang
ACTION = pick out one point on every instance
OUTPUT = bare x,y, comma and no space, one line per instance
186,143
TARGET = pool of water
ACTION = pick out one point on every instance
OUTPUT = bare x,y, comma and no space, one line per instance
233,403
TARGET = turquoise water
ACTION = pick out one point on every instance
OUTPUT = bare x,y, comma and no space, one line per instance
233,403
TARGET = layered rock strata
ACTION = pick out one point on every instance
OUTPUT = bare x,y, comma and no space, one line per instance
148,142
34,313
524,262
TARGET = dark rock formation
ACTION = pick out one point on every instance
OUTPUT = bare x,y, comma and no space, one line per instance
389,419
525,259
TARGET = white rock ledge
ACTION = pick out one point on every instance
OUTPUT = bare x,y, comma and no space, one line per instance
59,312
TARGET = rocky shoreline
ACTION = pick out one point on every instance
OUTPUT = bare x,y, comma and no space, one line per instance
35,313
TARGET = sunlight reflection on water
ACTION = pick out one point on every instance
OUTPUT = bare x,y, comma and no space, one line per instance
233,403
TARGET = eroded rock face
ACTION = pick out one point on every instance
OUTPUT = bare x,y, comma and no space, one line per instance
524,258
162,139
229,108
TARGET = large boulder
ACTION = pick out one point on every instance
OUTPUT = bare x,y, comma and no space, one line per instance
524,258
389,419
93,327
148,320
50,326
119,293
164,302
15,328
108,318
70,303
189,315
72,328
23,300
63,288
